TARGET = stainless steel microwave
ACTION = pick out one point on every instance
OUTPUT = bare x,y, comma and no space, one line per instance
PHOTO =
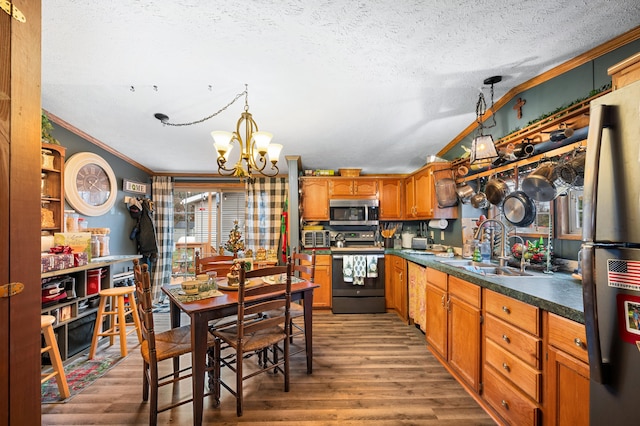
353,212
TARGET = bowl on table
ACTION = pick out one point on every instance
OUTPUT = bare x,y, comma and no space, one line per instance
190,287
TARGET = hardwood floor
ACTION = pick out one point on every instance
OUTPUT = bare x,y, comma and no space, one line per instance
368,370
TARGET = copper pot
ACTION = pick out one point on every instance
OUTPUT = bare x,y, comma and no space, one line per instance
479,201
496,190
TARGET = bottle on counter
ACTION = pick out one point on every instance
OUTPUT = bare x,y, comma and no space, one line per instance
477,257
485,251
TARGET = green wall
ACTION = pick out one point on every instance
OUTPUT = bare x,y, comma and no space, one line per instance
118,218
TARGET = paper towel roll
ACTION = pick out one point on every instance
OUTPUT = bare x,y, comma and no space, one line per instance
438,224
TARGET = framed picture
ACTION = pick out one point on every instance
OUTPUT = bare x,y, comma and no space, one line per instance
632,317
628,317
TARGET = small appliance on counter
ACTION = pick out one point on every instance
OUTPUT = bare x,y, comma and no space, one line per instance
421,243
407,239
316,239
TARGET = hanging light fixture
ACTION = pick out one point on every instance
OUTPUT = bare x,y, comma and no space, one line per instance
255,145
482,147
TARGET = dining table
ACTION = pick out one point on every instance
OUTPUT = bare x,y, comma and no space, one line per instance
202,311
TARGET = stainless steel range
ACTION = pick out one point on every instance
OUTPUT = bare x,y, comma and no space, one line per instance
357,273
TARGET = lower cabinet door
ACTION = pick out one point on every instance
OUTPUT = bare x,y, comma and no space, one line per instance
436,332
507,401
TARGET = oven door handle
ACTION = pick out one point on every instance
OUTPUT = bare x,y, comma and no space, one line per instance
341,256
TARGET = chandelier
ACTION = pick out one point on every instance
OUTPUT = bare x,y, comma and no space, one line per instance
254,145
483,150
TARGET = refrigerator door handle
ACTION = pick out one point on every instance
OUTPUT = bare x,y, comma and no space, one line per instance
596,363
600,118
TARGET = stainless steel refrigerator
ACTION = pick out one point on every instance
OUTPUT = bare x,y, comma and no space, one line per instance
611,256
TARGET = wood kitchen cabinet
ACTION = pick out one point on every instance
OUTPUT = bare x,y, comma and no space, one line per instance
322,294
396,285
353,187
390,195
315,198
453,329
566,373
437,298
464,331
512,368
420,194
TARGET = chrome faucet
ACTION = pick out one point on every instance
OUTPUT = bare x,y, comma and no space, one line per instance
503,256
523,262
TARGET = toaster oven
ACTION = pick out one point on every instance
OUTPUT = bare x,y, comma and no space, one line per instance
316,238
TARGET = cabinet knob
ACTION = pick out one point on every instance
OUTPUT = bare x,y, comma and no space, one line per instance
506,338
505,404
442,300
578,342
506,310
505,366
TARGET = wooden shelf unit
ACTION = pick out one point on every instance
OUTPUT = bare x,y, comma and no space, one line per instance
76,316
53,199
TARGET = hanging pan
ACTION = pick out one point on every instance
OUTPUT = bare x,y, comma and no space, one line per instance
446,194
496,189
479,200
539,185
519,209
465,192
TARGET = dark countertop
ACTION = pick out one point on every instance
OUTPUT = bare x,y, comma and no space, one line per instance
558,292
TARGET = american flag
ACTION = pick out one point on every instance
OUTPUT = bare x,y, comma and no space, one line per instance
624,273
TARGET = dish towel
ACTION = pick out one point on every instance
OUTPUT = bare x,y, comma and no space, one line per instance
347,269
359,269
372,266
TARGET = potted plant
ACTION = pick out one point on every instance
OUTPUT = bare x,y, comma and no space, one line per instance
47,127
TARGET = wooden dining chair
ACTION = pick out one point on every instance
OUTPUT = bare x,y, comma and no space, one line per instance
251,335
219,263
157,347
304,264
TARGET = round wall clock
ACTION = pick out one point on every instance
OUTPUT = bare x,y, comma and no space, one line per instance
90,185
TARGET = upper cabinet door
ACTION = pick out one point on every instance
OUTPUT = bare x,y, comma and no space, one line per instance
353,188
390,198
315,199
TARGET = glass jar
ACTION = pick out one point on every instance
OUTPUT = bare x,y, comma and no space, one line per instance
71,221
47,159
104,245
43,186
95,246
212,280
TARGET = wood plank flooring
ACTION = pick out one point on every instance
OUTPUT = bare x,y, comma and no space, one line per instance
368,370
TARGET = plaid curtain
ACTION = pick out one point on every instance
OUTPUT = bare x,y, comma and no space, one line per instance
162,196
265,204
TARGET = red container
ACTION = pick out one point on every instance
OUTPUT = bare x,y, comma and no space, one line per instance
94,278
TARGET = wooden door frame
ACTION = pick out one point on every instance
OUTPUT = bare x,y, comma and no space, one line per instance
20,109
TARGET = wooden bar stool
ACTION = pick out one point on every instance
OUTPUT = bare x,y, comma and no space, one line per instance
114,297
51,346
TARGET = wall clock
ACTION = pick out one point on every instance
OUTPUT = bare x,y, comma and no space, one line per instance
89,184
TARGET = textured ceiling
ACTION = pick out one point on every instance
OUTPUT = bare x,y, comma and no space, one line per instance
376,84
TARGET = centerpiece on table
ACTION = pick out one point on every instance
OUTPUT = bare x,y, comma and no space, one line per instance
234,244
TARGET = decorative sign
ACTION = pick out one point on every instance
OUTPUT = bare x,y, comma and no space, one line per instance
135,187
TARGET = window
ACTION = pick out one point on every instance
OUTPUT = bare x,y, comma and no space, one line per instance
569,215
203,218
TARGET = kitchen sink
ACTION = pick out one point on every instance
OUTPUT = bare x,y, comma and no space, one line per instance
484,268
